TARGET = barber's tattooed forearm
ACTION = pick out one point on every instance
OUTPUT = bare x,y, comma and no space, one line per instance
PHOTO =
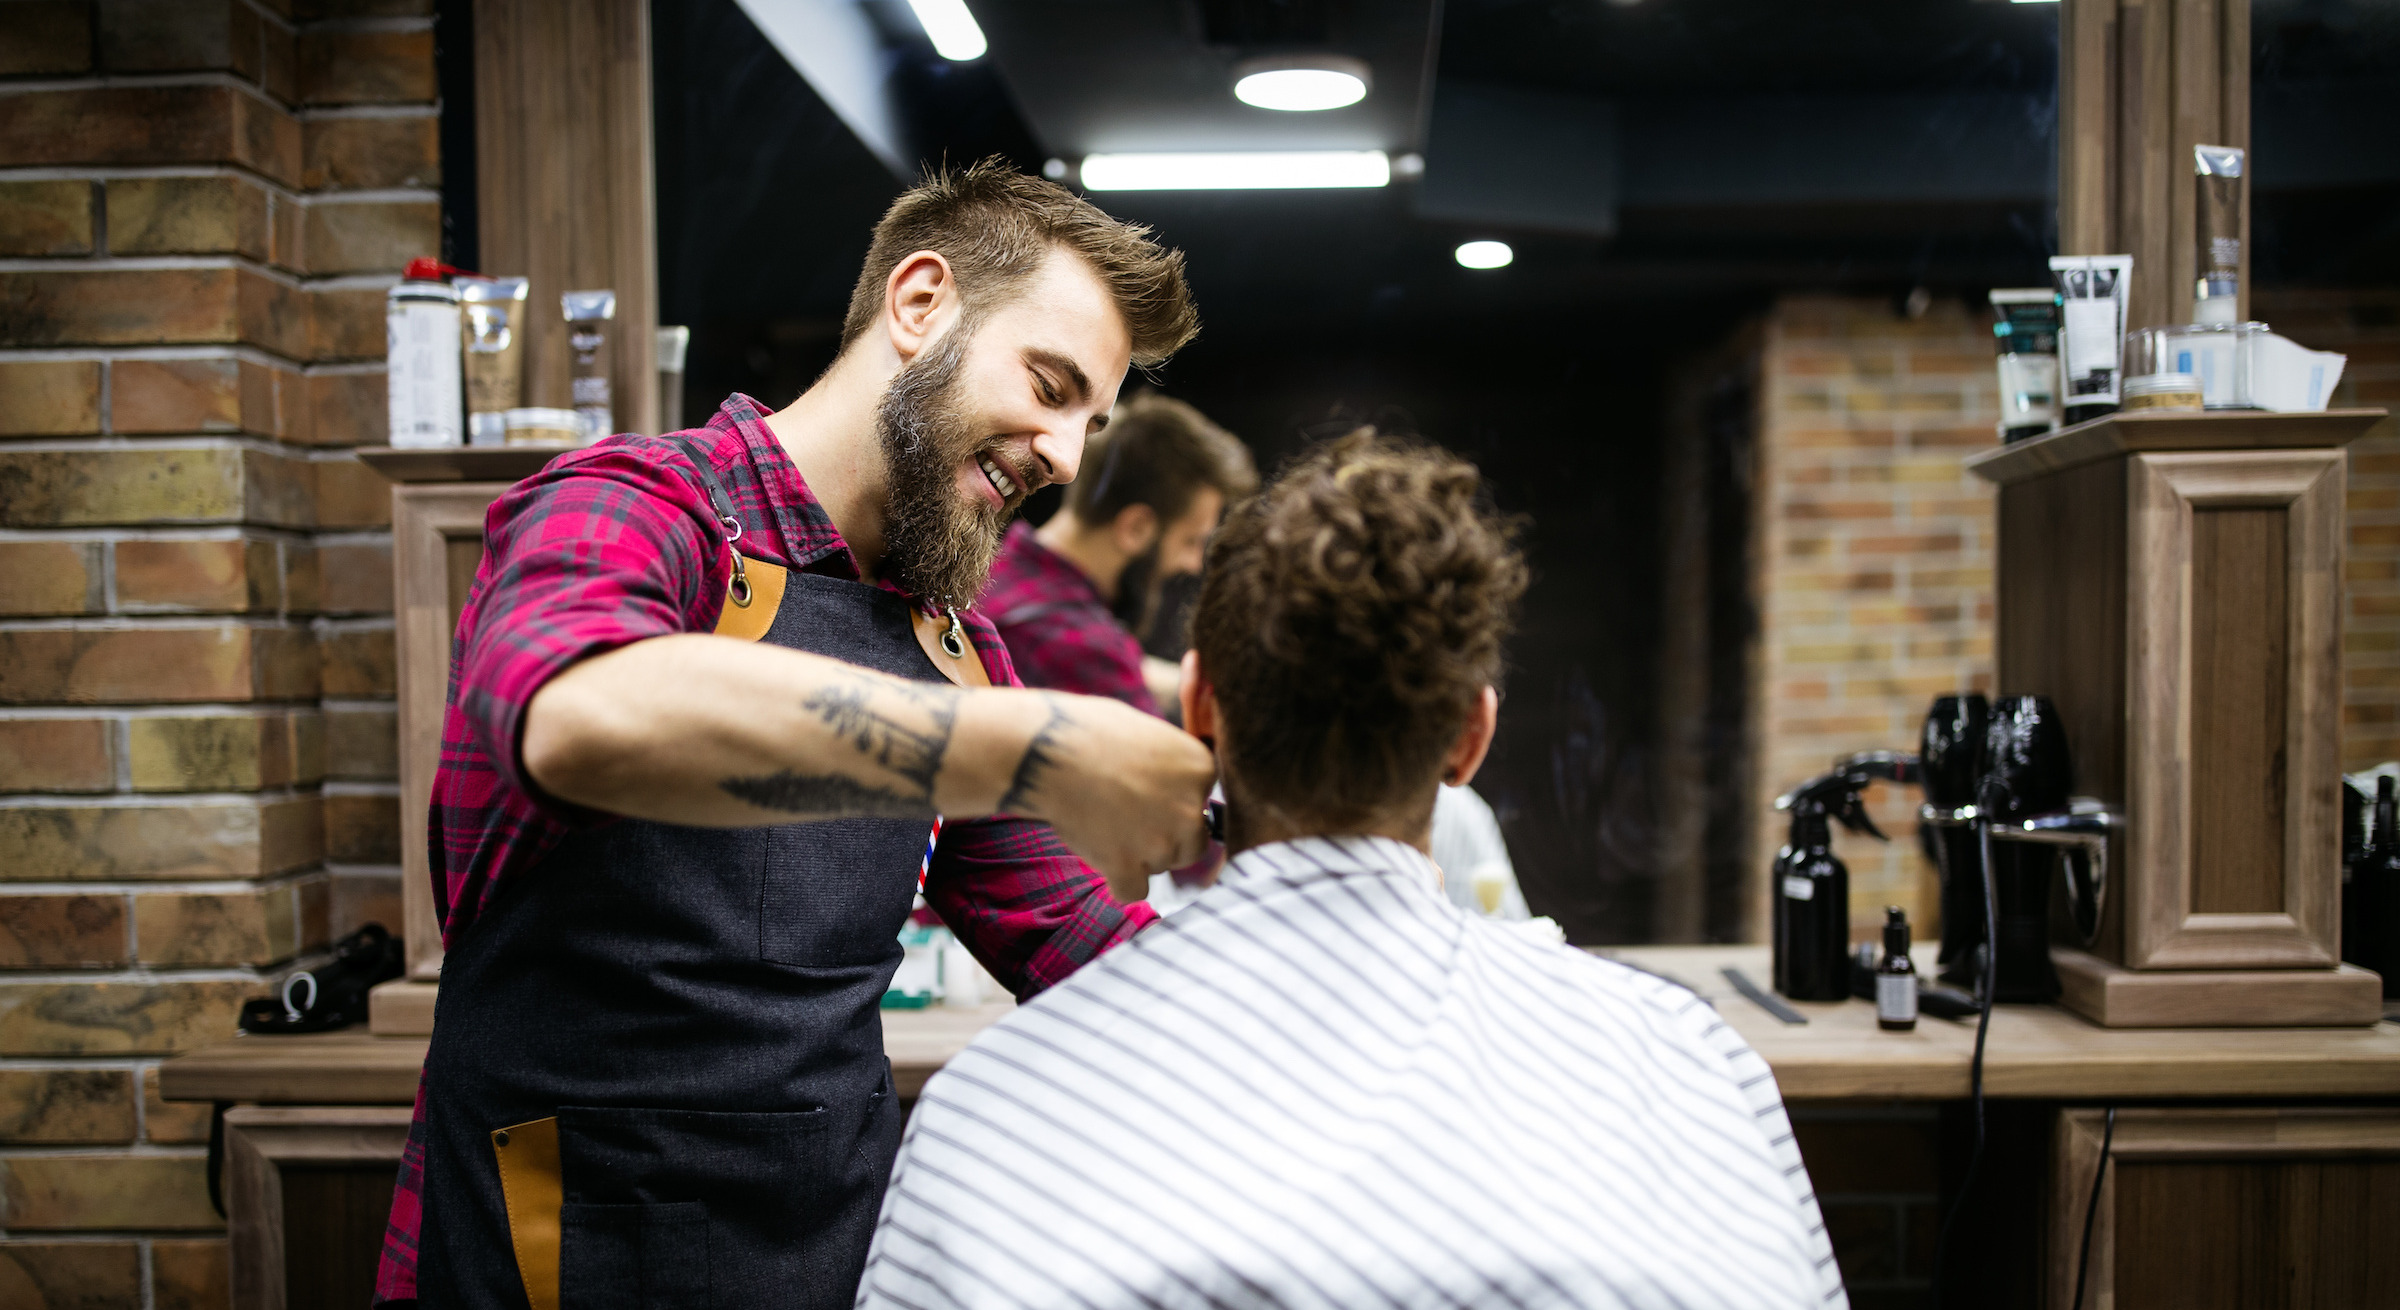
914,753
1040,758
900,730
827,795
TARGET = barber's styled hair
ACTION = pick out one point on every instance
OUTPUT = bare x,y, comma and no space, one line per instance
1158,452
1349,617
994,225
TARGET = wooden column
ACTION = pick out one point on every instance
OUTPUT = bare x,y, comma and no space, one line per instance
2140,83
563,180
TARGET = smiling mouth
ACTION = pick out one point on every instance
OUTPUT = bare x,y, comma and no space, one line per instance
999,478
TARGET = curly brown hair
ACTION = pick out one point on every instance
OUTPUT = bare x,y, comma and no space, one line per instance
1351,614
994,225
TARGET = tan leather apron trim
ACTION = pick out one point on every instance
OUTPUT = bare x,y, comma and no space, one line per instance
750,622
528,1155
966,670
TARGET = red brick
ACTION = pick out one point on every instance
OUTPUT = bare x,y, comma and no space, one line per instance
48,577
78,1275
45,37
72,931
342,154
149,125
125,666
342,67
45,218
56,755
49,398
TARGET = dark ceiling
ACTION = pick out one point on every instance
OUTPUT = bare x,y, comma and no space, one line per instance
1630,152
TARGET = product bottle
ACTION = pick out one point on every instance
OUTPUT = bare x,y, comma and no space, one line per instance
1812,912
2377,887
1896,977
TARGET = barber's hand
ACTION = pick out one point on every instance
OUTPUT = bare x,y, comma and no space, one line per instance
1124,789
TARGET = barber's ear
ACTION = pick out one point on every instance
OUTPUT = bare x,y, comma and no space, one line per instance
920,299
1474,740
1135,529
1199,700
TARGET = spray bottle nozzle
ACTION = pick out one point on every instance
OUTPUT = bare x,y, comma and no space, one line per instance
1841,794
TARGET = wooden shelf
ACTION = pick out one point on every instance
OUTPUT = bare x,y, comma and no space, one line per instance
2217,430
459,463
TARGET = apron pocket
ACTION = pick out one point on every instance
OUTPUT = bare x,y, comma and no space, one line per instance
634,1257
761,1189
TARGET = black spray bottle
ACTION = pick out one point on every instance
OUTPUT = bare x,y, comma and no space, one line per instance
1811,891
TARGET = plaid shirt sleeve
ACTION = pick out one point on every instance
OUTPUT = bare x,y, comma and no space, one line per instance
1081,648
1030,910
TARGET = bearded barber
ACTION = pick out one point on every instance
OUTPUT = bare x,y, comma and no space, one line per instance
708,696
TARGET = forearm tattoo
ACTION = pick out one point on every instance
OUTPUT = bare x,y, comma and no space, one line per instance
862,713
1040,758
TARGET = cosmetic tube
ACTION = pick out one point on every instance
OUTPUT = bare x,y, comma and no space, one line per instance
673,342
2218,242
2027,337
420,321
588,316
495,355
2091,294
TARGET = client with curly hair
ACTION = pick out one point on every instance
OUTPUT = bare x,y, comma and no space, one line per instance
1378,1098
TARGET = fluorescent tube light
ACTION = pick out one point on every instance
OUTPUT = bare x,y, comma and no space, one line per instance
956,35
1233,171
1484,254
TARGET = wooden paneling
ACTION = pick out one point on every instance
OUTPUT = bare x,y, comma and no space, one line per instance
333,1222
2200,640
2241,669
2117,997
2140,83
2228,1208
437,541
563,180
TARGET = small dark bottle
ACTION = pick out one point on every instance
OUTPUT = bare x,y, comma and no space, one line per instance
2376,886
1896,977
1812,912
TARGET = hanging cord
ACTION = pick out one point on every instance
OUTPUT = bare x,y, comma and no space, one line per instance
2091,1209
1988,986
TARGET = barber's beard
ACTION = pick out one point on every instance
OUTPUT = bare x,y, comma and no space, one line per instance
936,544
1138,586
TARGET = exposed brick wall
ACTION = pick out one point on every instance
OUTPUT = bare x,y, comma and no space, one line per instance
201,203
2366,327
1875,563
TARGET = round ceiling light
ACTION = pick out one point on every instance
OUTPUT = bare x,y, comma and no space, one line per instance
1485,254
1301,85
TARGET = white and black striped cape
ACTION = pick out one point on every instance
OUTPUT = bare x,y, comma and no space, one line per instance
1323,1085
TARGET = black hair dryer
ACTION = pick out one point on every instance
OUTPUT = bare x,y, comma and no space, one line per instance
2008,829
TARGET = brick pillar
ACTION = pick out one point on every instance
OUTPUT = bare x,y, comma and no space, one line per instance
1875,565
201,203
2364,325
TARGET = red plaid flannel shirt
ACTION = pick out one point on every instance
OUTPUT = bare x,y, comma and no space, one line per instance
1058,627
607,546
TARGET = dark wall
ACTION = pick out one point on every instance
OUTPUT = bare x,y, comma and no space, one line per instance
1567,435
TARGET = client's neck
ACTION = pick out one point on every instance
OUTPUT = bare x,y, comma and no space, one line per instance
1250,823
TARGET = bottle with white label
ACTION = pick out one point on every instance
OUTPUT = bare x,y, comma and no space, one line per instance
1812,910
1896,976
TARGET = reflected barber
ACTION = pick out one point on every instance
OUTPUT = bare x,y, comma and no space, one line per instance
708,695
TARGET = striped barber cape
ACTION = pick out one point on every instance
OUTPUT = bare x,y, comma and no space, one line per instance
1322,1084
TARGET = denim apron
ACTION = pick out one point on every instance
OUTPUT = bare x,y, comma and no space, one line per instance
698,1009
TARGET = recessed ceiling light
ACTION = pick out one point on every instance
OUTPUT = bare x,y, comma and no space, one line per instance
1236,171
956,35
1301,83
1484,254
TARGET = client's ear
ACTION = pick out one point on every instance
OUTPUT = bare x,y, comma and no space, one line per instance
1199,700
1474,740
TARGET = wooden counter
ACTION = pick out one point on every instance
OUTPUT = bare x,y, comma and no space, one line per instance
353,1067
2032,1052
